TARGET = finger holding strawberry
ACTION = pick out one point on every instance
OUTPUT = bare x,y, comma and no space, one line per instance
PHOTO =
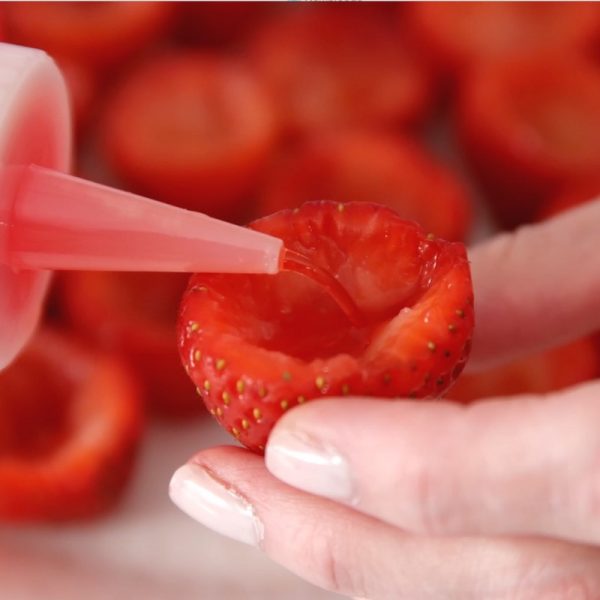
379,499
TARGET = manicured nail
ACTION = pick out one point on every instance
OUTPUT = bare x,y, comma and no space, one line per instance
203,496
309,464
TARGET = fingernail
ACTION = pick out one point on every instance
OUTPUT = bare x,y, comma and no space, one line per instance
309,464
204,497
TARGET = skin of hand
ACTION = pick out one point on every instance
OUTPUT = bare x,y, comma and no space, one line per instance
427,500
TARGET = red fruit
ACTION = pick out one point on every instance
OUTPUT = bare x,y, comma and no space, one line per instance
570,198
330,67
361,167
531,127
98,34
70,422
134,315
539,373
190,129
256,345
460,35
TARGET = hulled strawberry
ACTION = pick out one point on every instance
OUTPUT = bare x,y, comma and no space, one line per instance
70,424
258,345
538,373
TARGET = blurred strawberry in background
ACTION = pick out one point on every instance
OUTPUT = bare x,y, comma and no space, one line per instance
70,423
530,127
133,316
329,67
239,109
190,129
98,34
539,373
457,36
372,167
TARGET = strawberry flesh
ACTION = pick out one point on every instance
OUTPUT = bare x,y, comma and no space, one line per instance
257,345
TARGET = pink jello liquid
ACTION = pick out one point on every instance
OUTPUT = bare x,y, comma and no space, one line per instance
298,263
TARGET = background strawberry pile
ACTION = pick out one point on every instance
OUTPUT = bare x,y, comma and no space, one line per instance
466,118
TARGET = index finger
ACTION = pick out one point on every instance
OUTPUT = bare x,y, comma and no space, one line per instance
536,287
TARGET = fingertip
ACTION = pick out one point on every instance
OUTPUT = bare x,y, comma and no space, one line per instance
216,503
310,464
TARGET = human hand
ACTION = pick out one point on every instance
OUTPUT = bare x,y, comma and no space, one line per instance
500,499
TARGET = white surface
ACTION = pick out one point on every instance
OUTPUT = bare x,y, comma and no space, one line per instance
146,549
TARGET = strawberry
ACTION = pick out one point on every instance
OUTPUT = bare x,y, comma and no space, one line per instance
70,422
538,373
100,35
134,315
190,128
459,35
530,127
331,67
257,345
361,166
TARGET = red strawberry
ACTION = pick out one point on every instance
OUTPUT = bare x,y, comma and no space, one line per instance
70,422
538,373
134,315
190,128
530,127
99,34
459,35
256,345
360,166
331,67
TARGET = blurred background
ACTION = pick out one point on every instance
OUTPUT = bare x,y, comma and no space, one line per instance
469,118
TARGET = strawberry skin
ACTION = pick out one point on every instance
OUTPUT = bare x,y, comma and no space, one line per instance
539,373
257,345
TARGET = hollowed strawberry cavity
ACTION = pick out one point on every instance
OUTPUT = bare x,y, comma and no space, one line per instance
376,259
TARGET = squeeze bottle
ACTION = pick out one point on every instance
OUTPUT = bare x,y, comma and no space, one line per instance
52,220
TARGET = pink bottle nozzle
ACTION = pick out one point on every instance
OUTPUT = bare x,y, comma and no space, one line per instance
62,222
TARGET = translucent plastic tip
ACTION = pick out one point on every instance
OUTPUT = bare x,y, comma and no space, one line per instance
57,221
